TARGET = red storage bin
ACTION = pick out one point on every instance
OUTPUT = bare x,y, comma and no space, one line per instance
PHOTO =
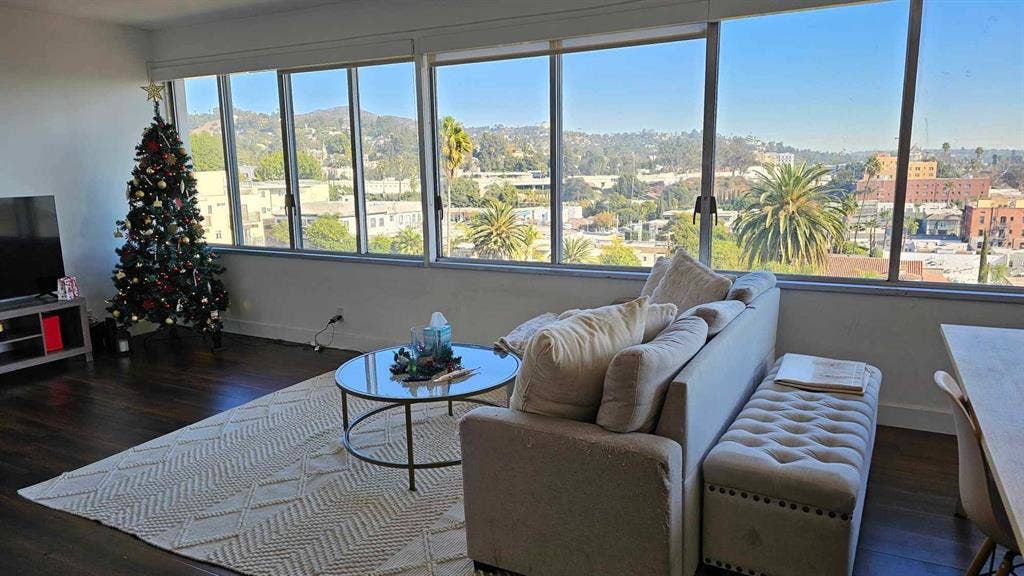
51,333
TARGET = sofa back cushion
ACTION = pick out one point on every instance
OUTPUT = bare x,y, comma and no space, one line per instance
749,286
718,315
654,278
687,283
638,376
564,365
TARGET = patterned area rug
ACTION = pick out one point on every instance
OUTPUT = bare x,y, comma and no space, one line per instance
267,488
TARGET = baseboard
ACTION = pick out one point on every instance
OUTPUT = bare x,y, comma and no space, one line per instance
915,417
342,339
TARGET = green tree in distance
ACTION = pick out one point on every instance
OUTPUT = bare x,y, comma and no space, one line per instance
207,151
618,254
271,166
328,232
496,233
577,250
455,147
793,220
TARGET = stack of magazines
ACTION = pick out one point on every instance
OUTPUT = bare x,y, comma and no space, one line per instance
822,374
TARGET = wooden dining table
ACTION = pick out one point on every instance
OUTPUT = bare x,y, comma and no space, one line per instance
989,363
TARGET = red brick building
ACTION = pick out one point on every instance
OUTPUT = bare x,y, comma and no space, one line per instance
1005,224
928,190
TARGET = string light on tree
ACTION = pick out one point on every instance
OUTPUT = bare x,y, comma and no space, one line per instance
163,237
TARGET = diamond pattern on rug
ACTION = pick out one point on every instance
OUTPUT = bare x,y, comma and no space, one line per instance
266,488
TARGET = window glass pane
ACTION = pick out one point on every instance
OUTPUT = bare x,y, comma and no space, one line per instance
260,158
495,140
391,163
808,120
206,140
323,152
966,221
632,121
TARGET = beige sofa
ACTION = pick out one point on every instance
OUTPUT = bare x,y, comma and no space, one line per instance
547,496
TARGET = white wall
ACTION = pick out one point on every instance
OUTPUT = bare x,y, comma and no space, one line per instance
71,113
291,298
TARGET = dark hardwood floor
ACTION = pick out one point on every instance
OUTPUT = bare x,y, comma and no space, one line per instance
60,417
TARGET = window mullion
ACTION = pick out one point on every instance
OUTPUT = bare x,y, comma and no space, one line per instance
358,186
227,123
906,132
556,160
291,172
425,113
707,169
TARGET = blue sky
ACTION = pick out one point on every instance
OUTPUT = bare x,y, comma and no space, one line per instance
826,79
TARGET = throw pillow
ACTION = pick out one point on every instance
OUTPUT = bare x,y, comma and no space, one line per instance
657,317
718,315
750,286
687,283
564,365
639,376
654,278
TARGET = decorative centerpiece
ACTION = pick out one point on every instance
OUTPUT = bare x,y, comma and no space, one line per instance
429,354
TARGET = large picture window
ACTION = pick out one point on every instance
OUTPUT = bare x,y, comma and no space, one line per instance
591,151
206,142
808,120
323,157
259,158
967,218
493,141
631,141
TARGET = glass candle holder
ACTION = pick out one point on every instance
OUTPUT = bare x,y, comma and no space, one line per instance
420,343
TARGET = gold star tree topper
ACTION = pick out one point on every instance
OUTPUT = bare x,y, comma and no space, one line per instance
154,91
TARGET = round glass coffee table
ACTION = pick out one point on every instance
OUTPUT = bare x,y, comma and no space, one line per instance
368,376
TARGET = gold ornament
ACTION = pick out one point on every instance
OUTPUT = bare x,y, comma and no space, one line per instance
135,318
117,234
154,91
139,193
169,321
161,184
147,232
172,159
150,171
116,313
157,203
120,275
184,240
135,181
205,300
135,280
182,151
147,220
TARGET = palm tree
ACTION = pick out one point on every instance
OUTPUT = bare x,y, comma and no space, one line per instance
408,241
848,205
496,232
455,147
793,220
871,170
531,235
577,250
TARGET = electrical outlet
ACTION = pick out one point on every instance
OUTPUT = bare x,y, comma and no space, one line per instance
340,314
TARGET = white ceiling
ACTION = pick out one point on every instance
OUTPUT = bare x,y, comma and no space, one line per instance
155,14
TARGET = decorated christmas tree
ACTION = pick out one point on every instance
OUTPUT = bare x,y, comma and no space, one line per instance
167,273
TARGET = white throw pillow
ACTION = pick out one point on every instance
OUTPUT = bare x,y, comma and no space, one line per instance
564,365
654,278
638,377
687,283
718,315
657,317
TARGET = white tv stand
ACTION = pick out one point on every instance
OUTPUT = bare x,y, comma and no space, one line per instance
21,342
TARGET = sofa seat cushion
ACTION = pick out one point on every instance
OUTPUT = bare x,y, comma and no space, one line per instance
808,447
638,377
562,373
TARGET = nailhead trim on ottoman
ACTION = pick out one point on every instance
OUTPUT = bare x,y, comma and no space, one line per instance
784,487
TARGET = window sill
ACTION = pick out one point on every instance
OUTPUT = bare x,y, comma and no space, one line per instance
1009,295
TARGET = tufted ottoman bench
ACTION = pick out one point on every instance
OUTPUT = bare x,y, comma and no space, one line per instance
784,487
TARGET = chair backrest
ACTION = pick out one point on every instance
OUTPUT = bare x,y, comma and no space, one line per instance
978,492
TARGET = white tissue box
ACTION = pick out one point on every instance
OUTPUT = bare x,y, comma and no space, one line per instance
438,338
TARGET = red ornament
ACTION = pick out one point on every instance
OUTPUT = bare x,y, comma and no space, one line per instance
152,145
148,304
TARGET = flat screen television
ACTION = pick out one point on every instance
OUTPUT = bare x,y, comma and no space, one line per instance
30,255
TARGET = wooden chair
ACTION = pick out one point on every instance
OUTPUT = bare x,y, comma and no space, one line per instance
978,493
